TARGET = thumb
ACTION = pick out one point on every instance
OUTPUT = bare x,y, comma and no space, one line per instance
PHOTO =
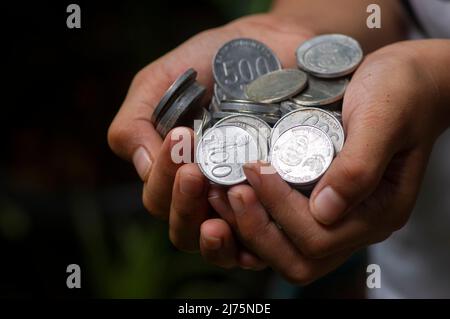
355,172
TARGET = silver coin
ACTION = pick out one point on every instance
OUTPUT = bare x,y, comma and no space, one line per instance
321,92
203,124
183,111
329,55
250,107
219,94
239,62
214,105
172,93
318,118
254,121
262,142
338,115
251,124
302,154
270,119
276,86
223,150
289,106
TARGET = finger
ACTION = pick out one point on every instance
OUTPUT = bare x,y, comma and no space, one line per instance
353,175
131,134
263,237
157,193
217,244
312,238
189,207
249,261
217,197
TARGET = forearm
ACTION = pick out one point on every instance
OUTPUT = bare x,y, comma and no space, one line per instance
347,17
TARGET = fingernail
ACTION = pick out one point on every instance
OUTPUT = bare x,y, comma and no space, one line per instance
250,171
191,185
211,243
142,162
236,202
328,206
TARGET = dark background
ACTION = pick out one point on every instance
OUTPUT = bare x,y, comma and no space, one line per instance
65,198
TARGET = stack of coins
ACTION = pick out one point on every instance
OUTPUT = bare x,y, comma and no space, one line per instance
180,105
259,111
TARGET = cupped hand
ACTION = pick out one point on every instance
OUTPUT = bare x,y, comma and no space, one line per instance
391,120
178,191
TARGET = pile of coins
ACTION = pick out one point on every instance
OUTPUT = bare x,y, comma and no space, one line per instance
259,111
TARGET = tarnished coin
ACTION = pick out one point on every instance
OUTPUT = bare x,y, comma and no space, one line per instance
239,62
302,154
318,118
270,119
276,86
262,127
223,150
183,111
322,92
330,55
249,107
172,93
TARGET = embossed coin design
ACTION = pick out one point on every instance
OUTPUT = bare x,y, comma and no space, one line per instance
276,86
302,154
329,55
318,118
223,150
239,62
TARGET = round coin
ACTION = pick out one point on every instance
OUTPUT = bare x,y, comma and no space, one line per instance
219,94
321,92
239,62
262,127
329,55
276,86
289,106
318,118
270,119
172,93
223,150
302,154
188,103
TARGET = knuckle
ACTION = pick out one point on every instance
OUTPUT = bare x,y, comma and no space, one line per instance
358,174
118,137
255,233
316,247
